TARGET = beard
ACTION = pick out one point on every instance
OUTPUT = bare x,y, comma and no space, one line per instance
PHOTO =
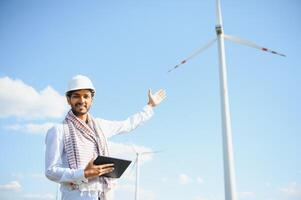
80,109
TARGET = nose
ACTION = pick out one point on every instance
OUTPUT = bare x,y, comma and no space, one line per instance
81,99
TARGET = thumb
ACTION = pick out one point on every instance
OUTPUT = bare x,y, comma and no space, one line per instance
149,91
91,162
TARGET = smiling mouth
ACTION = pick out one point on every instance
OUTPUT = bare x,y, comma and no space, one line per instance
80,106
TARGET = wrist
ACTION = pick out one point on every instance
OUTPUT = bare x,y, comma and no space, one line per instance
151,104
86,173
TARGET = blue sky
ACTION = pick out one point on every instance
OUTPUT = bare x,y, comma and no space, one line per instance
127,46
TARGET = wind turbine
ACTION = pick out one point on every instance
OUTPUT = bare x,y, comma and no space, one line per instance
229,171
137,163
57,195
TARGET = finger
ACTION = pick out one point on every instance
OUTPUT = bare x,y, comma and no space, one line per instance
108,170
160,99
162,93
104,166
105,171
100,168
159,91
149,91
163,97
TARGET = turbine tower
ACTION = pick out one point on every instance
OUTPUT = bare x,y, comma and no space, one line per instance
137,163
229,169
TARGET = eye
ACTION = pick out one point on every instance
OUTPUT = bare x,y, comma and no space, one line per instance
86,96
75,96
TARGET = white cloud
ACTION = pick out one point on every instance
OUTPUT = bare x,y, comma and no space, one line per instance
30,127
143,194
130,174
184,179
164,179
200,198
38,175
293,189
127,188
23,101
38,128
147,194
128,151
200,180
268,184
38,196
13,185
245,194
21,175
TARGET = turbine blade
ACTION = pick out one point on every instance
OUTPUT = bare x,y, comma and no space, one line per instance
251,44
200,50
133,148
150,152
131,169
218,13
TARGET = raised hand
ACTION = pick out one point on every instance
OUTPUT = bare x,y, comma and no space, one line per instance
156,98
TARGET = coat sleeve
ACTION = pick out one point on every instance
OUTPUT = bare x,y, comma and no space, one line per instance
111,128
54,169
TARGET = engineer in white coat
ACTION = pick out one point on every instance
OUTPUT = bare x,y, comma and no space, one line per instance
72,145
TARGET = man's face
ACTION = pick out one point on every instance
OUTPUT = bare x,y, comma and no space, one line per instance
80,102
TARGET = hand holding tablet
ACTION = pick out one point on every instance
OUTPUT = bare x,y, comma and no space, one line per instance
119,165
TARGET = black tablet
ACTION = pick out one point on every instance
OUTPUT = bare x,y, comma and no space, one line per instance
120,165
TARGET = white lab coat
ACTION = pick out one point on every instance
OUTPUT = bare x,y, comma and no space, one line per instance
56,164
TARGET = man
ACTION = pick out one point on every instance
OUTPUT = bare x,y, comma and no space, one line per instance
72,146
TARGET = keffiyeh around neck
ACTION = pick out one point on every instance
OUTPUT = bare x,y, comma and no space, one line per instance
82,141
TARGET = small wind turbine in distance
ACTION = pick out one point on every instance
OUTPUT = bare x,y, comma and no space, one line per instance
229,172
137,164
57,195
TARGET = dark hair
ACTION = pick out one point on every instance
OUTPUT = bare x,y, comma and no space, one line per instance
69,93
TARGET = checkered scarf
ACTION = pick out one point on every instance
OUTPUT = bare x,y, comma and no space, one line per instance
73,126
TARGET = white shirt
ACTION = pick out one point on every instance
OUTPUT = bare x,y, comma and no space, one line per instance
56,164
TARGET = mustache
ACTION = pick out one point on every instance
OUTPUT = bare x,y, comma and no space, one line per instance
80,104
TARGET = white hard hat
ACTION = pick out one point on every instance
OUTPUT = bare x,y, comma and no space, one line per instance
80,82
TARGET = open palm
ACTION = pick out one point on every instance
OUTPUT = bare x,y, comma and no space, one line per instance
156,98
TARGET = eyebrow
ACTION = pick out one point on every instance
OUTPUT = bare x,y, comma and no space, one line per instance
78,94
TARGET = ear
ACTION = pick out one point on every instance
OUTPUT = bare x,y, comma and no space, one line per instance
68,100
92,99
